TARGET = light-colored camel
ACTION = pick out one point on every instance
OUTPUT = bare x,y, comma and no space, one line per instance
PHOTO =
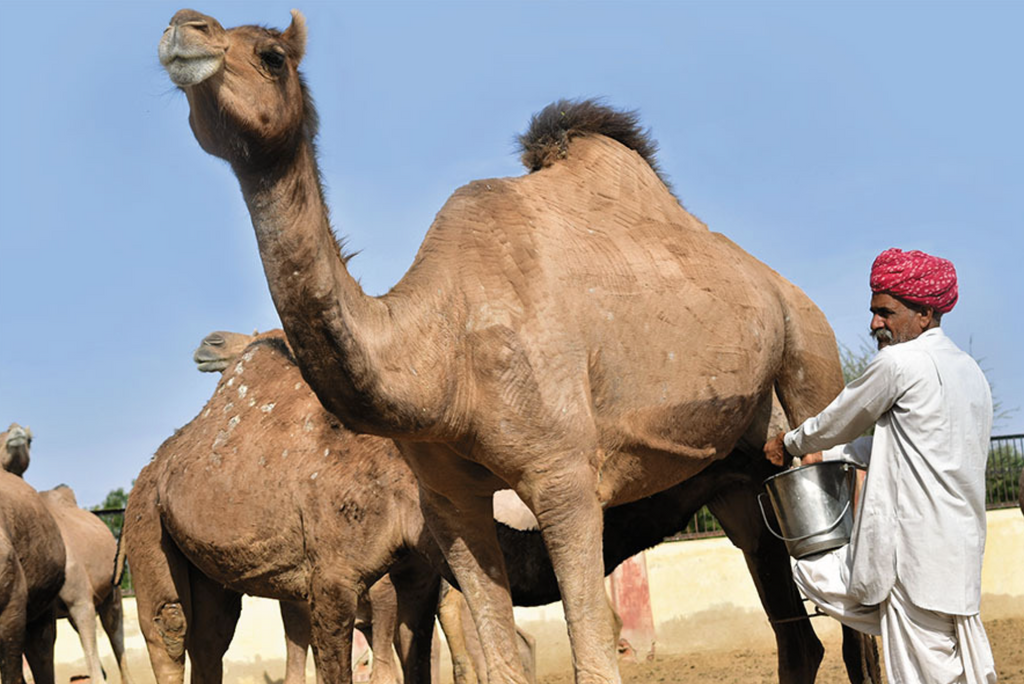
31,575
265,493
573,334
88,588
15,443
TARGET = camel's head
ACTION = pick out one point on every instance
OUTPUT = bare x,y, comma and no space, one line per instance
248,104
218,350
14,448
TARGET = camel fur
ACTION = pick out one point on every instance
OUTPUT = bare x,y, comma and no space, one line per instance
89,590
574,334
265,493
31,575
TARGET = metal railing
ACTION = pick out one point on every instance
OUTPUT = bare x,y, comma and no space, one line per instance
1005,462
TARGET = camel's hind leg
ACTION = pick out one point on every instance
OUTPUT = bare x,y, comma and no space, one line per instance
215,612
799,650
111,615
77,596
415,586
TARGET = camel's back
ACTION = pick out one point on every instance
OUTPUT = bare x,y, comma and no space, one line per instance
87,540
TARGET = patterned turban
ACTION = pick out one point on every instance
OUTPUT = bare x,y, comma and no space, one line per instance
916,277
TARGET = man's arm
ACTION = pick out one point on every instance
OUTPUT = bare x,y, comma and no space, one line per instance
851,413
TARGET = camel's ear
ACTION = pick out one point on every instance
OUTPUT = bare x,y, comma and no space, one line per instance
28,433
295,36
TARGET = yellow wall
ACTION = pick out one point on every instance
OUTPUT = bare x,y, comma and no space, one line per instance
701,598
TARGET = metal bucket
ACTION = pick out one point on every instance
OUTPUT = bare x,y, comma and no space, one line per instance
813,505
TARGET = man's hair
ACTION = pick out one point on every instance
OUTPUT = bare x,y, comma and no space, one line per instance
920,308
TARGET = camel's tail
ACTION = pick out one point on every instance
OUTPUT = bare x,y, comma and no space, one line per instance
119,559
547,138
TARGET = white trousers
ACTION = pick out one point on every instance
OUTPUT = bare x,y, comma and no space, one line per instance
920,646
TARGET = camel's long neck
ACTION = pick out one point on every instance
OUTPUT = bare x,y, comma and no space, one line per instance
349,346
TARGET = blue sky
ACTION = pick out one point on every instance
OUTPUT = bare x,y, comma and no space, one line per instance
813,134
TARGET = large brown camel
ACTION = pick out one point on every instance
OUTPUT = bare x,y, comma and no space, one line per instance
88,589
265,493
574,334
15,443
31,575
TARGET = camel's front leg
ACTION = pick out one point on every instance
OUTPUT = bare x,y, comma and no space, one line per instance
464,529
297,629
333,602
564,499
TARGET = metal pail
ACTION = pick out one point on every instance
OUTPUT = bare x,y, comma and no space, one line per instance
813,504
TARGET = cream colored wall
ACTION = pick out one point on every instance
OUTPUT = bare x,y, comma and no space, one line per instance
701,598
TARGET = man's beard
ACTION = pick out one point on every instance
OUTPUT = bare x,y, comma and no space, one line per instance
883,337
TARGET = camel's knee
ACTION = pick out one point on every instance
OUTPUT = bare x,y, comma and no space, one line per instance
170,623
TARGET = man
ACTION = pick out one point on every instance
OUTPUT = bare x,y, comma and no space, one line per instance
912,572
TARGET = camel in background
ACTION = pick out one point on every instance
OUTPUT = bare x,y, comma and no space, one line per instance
574,334
15,443
90,549
31,575
89,589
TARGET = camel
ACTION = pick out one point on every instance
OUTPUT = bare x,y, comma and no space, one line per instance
88,588
265,493
15,443
574,334
31,574
89,556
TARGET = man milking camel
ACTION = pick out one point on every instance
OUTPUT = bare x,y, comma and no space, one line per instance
912,571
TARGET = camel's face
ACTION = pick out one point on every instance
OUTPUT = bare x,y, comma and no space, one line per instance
218,350
242,84
14,448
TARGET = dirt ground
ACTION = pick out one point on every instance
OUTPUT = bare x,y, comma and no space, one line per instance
757,667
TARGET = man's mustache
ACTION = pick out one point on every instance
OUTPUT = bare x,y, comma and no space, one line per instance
882,335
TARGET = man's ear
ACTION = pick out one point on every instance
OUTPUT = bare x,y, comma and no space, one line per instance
926,318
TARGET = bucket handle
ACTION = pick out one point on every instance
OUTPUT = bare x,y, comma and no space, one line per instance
764,516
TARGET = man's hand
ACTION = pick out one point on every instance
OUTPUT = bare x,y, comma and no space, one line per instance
816,457
775,451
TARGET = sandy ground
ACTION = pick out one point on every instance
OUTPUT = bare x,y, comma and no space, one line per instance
745,666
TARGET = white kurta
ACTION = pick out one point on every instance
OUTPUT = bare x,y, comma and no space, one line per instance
922,513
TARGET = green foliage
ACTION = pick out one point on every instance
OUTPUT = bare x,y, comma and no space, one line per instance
116,500
855,362
1002,476
111,512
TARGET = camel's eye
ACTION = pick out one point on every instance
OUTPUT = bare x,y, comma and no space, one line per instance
273,58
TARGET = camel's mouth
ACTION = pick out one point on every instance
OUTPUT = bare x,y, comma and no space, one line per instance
189,70
211,366
17,442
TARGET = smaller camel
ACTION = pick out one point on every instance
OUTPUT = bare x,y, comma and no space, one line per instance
14,448
88,588
292,506
31,575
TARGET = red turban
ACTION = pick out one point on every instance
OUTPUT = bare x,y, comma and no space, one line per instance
916,277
